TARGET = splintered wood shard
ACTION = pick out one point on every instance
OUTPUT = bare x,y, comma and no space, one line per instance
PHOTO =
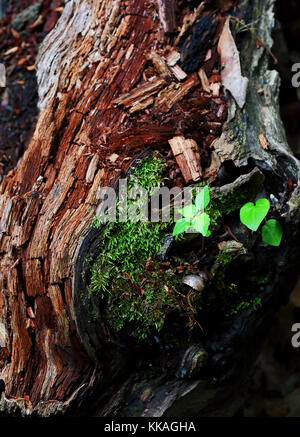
159,63
178,72
175,92
187,156
204,81
166,10
141,93
189,20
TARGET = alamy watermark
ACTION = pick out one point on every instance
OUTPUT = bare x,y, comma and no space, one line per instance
135,204
296,337
296,76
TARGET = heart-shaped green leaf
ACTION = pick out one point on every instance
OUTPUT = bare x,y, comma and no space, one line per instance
189,211
181,226
272,232
201,224
202,199
252,215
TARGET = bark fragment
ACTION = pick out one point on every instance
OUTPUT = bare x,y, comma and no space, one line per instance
187,156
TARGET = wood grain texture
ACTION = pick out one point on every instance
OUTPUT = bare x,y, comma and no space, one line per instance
93,70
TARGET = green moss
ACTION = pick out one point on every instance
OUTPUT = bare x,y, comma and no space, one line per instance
136,297
234,199
231,251
142,308
252,305
242,294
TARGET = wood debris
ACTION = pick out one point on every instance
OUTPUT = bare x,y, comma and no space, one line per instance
37,22
175,92
189,20
113,157
30,312
14,33
90,174
159,63
215,89
187,156
204,81
178,73
166,11
139,106
263,142
10,52
173,58
140,93
222,245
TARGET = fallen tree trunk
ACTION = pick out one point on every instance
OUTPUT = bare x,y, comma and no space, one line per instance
106,93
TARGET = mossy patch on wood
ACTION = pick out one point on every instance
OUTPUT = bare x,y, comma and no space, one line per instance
135,292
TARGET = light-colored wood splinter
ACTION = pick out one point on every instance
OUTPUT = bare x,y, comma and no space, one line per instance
263,141
187,156
173,58
204,81
175,92
141,93
178,72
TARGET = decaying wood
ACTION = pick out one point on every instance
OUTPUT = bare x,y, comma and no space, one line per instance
96,98
173,57
175,92
159,63
167,16
189,20
204,80
178,72
142,93
187,156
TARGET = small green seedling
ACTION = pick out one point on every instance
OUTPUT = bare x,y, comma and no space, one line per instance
252,216
272,232
194,215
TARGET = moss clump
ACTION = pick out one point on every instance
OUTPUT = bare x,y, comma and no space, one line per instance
230,201
252,305
136,293
231,251
143,304
235,292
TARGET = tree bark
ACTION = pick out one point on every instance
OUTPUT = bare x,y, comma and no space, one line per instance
53,357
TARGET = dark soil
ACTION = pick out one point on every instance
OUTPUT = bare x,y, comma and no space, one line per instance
18,50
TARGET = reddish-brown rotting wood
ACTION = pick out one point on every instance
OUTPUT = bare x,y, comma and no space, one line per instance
167,15
48,203
19,99
189,20
175,92
187,156
159,63
141,93
34,278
